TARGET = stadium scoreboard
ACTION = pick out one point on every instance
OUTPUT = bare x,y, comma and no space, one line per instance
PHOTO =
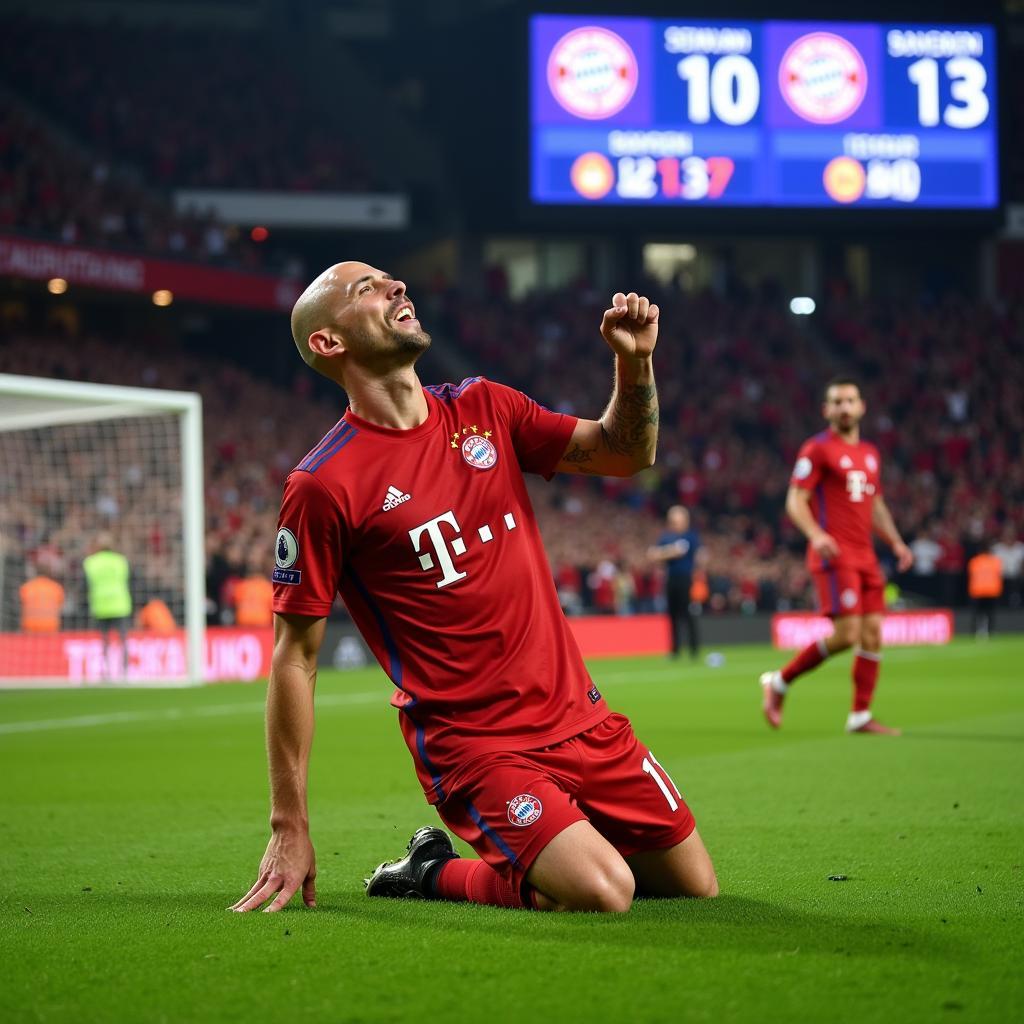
663,112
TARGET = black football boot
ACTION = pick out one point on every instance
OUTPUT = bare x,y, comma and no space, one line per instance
412,877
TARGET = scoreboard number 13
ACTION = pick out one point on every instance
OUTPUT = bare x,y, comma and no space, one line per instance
967,86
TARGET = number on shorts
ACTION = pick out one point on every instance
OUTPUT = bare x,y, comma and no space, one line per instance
648,766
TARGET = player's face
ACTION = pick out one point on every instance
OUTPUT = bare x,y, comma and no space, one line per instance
843,408
375,315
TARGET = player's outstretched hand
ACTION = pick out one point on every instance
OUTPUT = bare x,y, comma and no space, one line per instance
904,556
288,864
825,545
631,325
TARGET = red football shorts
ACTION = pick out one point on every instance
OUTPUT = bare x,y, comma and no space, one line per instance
510,805
850,591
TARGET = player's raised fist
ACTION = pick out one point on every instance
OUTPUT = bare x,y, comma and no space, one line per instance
631,325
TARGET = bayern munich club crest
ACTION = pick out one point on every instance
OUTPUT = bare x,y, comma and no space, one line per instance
524,810
479,452
592,72
823,78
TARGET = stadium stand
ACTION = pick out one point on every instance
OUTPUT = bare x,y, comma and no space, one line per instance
940,380
51,189
944,410
177,103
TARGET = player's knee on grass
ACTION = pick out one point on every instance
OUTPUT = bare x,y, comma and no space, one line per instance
580,870
703,884
699,880
605,888
685,870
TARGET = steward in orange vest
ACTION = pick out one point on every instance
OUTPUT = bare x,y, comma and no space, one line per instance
985,586
984,576
254,601
42,600
156,617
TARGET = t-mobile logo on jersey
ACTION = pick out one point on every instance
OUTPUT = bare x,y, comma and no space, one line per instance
444,553
857,484
432,529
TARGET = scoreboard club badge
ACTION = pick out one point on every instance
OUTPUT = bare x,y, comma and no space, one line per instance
823,78
592,72
524,810
477,447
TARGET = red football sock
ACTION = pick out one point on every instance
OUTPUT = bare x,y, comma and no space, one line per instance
865,675
810,657
473,881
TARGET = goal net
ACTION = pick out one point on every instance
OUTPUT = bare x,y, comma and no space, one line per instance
99,472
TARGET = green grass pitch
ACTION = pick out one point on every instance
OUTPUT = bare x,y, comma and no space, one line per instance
130,820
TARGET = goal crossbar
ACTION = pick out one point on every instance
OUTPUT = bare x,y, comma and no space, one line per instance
29,416
31,393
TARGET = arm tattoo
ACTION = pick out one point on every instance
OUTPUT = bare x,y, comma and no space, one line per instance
578,458
632,421
580,455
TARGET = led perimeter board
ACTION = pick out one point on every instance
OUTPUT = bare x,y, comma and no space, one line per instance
675,112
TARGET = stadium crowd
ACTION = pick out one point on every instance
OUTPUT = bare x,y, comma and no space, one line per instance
942,384
53,190
90,156
177,103
940,381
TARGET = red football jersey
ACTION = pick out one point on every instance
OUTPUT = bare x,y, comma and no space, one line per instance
430,538
844,480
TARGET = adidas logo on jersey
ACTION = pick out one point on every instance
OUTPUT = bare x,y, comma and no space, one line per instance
394,499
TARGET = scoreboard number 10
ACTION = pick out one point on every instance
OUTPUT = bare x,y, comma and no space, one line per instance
730,89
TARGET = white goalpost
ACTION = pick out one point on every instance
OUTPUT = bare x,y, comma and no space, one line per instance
85,467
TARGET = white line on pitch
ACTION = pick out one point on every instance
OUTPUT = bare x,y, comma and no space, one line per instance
174,714
649,673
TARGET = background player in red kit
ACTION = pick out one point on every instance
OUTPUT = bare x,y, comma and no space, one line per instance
835,500
414,507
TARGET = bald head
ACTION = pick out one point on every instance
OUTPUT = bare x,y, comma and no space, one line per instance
318,305
354,315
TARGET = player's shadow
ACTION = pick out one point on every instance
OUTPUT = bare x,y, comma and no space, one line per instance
726,922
